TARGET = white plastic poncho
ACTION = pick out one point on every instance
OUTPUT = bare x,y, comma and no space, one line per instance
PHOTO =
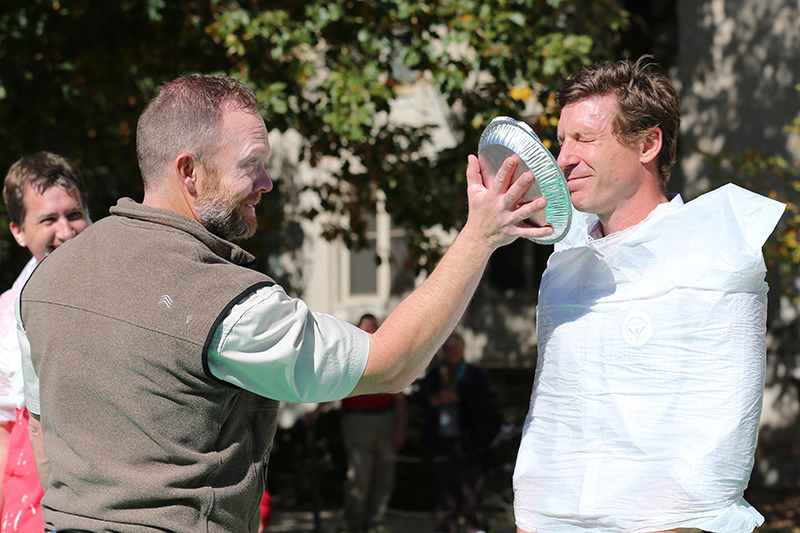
11,385
647,396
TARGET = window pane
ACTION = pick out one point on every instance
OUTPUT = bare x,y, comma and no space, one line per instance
402,274
364,270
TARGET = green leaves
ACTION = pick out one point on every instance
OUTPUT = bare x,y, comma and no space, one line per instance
75,75
779,179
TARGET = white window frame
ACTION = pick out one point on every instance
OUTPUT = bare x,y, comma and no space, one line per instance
383,239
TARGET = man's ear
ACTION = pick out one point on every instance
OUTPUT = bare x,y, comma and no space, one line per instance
186,167
651,145
18,233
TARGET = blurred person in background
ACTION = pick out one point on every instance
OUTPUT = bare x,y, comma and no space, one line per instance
460,423
46,203
373,429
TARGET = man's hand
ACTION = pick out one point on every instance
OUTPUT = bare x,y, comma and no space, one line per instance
496,215
405,343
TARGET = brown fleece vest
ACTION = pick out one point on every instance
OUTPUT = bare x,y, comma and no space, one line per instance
140,435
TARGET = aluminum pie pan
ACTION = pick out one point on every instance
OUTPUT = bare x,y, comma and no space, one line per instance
505,136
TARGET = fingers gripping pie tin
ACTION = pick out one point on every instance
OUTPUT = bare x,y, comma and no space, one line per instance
506,136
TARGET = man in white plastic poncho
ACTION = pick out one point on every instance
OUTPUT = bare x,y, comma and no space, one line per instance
651,325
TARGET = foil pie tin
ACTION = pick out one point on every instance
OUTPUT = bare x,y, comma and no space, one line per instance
505,136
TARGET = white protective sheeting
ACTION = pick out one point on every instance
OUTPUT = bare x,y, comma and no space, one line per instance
647,396
11,385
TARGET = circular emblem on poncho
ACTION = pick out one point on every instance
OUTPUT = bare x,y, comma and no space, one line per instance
637,328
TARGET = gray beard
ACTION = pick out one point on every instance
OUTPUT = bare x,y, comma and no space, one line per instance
222,217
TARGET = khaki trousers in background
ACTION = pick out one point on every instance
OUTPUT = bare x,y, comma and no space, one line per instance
369,444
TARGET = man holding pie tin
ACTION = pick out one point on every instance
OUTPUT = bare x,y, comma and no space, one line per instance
156,379
651,324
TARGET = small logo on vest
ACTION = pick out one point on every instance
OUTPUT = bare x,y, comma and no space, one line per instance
636,329
165,301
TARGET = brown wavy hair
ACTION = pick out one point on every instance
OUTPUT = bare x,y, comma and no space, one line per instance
645,98
40,171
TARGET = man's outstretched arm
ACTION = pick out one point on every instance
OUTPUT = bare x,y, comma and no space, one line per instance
409,337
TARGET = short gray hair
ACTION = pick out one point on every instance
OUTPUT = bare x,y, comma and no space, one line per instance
185,116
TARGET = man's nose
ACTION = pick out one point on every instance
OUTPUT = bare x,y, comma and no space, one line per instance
263,182
65,231
566,157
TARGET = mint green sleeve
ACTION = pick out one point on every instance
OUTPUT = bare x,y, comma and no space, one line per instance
275,346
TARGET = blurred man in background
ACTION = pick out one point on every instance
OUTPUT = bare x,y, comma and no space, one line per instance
460,423
46,203
373,429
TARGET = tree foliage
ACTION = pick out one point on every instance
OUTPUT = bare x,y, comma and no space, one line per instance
774,176
75,74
